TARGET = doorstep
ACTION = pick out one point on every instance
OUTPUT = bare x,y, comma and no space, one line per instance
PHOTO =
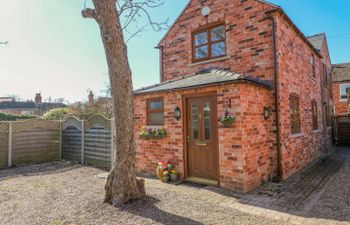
199,180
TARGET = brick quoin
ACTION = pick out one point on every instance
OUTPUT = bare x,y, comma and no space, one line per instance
248,150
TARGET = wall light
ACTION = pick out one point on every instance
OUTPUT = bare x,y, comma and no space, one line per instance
266,112
177,113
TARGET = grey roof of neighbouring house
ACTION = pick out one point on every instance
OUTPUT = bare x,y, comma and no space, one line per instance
341,72
202,78
317,40
17,105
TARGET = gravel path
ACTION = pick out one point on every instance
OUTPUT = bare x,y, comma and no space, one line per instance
65,193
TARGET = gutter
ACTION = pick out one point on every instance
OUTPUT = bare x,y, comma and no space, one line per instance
278,130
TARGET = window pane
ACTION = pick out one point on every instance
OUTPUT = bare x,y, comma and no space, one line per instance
343,93
218,33
156,105
207,130
218,49
195,129
202,52
201,38
156,118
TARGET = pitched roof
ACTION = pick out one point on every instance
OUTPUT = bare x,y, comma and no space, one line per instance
17,105
341,72
317,40
202,78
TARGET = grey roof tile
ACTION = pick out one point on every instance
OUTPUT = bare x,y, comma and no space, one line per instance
341,72
202,78
317,40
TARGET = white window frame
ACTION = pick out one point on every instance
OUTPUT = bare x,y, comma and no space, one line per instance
341,86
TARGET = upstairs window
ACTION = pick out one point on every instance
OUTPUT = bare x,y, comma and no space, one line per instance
343,91
294,114
314,115
313,64
155,111
209,43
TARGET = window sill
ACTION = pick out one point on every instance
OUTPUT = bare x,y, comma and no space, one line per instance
297,135
209,61
316,131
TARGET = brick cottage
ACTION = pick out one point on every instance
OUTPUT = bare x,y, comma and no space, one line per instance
341,88
245,58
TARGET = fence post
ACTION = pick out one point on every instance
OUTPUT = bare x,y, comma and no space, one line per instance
82,141
61,122
112,142
9,162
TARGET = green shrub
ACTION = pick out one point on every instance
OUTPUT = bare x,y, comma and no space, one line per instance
56,114
14,117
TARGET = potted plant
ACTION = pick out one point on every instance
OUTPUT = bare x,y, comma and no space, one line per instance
166,172
166,177
227,119
173,175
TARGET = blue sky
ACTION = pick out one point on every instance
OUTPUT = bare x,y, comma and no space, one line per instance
53,50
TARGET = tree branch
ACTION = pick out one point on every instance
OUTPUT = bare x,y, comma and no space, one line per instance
88,13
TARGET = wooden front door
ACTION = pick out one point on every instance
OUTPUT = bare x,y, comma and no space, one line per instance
202,138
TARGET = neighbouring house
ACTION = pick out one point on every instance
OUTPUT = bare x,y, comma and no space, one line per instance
249,60
36,107
341,88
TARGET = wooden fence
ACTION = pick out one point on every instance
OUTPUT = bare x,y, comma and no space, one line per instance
343,129
35,141
30,141
88,142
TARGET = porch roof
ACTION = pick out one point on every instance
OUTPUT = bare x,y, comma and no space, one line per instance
202,78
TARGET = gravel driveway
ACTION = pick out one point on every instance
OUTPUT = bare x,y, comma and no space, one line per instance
66,193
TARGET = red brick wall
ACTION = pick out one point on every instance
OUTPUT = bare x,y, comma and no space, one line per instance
248,39
295,76
340,107
244,149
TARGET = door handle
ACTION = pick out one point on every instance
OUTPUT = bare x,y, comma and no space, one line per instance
188,138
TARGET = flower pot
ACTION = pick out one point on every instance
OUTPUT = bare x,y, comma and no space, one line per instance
174,177
227,123
166,179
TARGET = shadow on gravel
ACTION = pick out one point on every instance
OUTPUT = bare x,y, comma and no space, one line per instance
38,169
147,208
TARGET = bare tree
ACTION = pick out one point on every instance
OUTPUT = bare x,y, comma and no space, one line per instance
122,185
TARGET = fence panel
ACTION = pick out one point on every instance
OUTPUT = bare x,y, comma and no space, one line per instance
97,142
4,126
72,139
35,141
343,129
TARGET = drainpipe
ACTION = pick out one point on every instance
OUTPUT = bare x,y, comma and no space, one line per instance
161,51
278,140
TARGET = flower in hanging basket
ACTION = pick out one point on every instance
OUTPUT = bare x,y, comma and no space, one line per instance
152,133
227,119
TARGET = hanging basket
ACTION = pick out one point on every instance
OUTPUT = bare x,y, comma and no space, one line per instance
227,123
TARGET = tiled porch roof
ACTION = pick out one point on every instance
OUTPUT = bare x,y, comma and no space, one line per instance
203,78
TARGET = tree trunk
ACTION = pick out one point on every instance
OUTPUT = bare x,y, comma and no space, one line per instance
122,185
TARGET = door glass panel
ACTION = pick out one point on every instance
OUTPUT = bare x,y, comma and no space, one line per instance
195,123
207,128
